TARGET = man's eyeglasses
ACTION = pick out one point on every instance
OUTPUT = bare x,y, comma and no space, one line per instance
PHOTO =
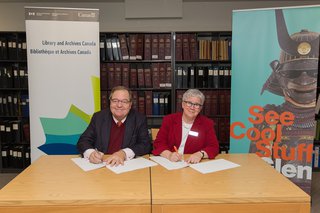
190,104
116,101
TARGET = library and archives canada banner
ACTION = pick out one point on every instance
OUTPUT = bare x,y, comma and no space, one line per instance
64,76
275,68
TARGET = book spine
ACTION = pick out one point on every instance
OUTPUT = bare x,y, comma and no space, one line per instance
123,46
125,74
133,47
167,48
161,46
154,47
140,42
147,47
178,51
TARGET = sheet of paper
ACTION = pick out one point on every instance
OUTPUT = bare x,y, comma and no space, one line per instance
169,164
213,166
85,165
131,165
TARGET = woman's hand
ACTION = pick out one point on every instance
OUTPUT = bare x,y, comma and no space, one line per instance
175,156
194,158
171,156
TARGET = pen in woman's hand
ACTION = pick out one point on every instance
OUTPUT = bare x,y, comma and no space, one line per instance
176,150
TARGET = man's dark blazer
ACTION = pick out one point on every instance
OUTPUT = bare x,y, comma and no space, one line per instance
97,133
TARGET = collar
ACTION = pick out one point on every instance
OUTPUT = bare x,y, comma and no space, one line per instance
116,121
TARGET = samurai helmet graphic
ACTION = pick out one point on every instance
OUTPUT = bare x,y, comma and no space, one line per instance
294,75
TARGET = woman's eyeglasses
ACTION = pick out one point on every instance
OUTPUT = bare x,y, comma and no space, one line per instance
190,104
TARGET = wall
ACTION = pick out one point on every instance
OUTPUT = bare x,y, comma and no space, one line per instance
197,16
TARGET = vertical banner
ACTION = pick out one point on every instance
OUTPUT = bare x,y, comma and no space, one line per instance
64,85
274,86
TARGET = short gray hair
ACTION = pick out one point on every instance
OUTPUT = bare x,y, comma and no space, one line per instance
193,93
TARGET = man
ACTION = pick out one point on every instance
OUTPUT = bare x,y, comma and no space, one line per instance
119,131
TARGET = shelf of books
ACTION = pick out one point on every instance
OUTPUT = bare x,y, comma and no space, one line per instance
143,63
14,103
203,61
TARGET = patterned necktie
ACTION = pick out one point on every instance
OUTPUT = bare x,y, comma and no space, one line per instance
119,123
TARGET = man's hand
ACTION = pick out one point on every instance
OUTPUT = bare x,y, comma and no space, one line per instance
96,157
116,158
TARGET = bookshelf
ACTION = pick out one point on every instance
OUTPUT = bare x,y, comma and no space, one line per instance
14,103
142,62
149,63
203,61
163,66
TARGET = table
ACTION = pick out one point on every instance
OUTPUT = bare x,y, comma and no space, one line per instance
56,184
253,187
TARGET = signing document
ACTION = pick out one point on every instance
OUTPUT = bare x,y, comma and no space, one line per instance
85,164
131,165
204,167
213,166
169,164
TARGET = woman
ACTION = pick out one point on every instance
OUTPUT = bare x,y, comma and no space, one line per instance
187,132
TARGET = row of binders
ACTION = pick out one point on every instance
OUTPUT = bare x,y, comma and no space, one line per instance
14,131
157,46
13,48
146,102
140,75
13,76
189,47
15,156
203,77
186,47
217,102
135,47
14,104
215,50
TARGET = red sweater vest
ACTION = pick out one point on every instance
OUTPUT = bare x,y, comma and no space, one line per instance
116,138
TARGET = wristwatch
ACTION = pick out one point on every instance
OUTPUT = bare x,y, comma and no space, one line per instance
202,152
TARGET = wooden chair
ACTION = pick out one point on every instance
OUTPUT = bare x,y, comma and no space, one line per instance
154,132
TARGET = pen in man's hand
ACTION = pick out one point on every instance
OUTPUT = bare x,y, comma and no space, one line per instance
101,155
